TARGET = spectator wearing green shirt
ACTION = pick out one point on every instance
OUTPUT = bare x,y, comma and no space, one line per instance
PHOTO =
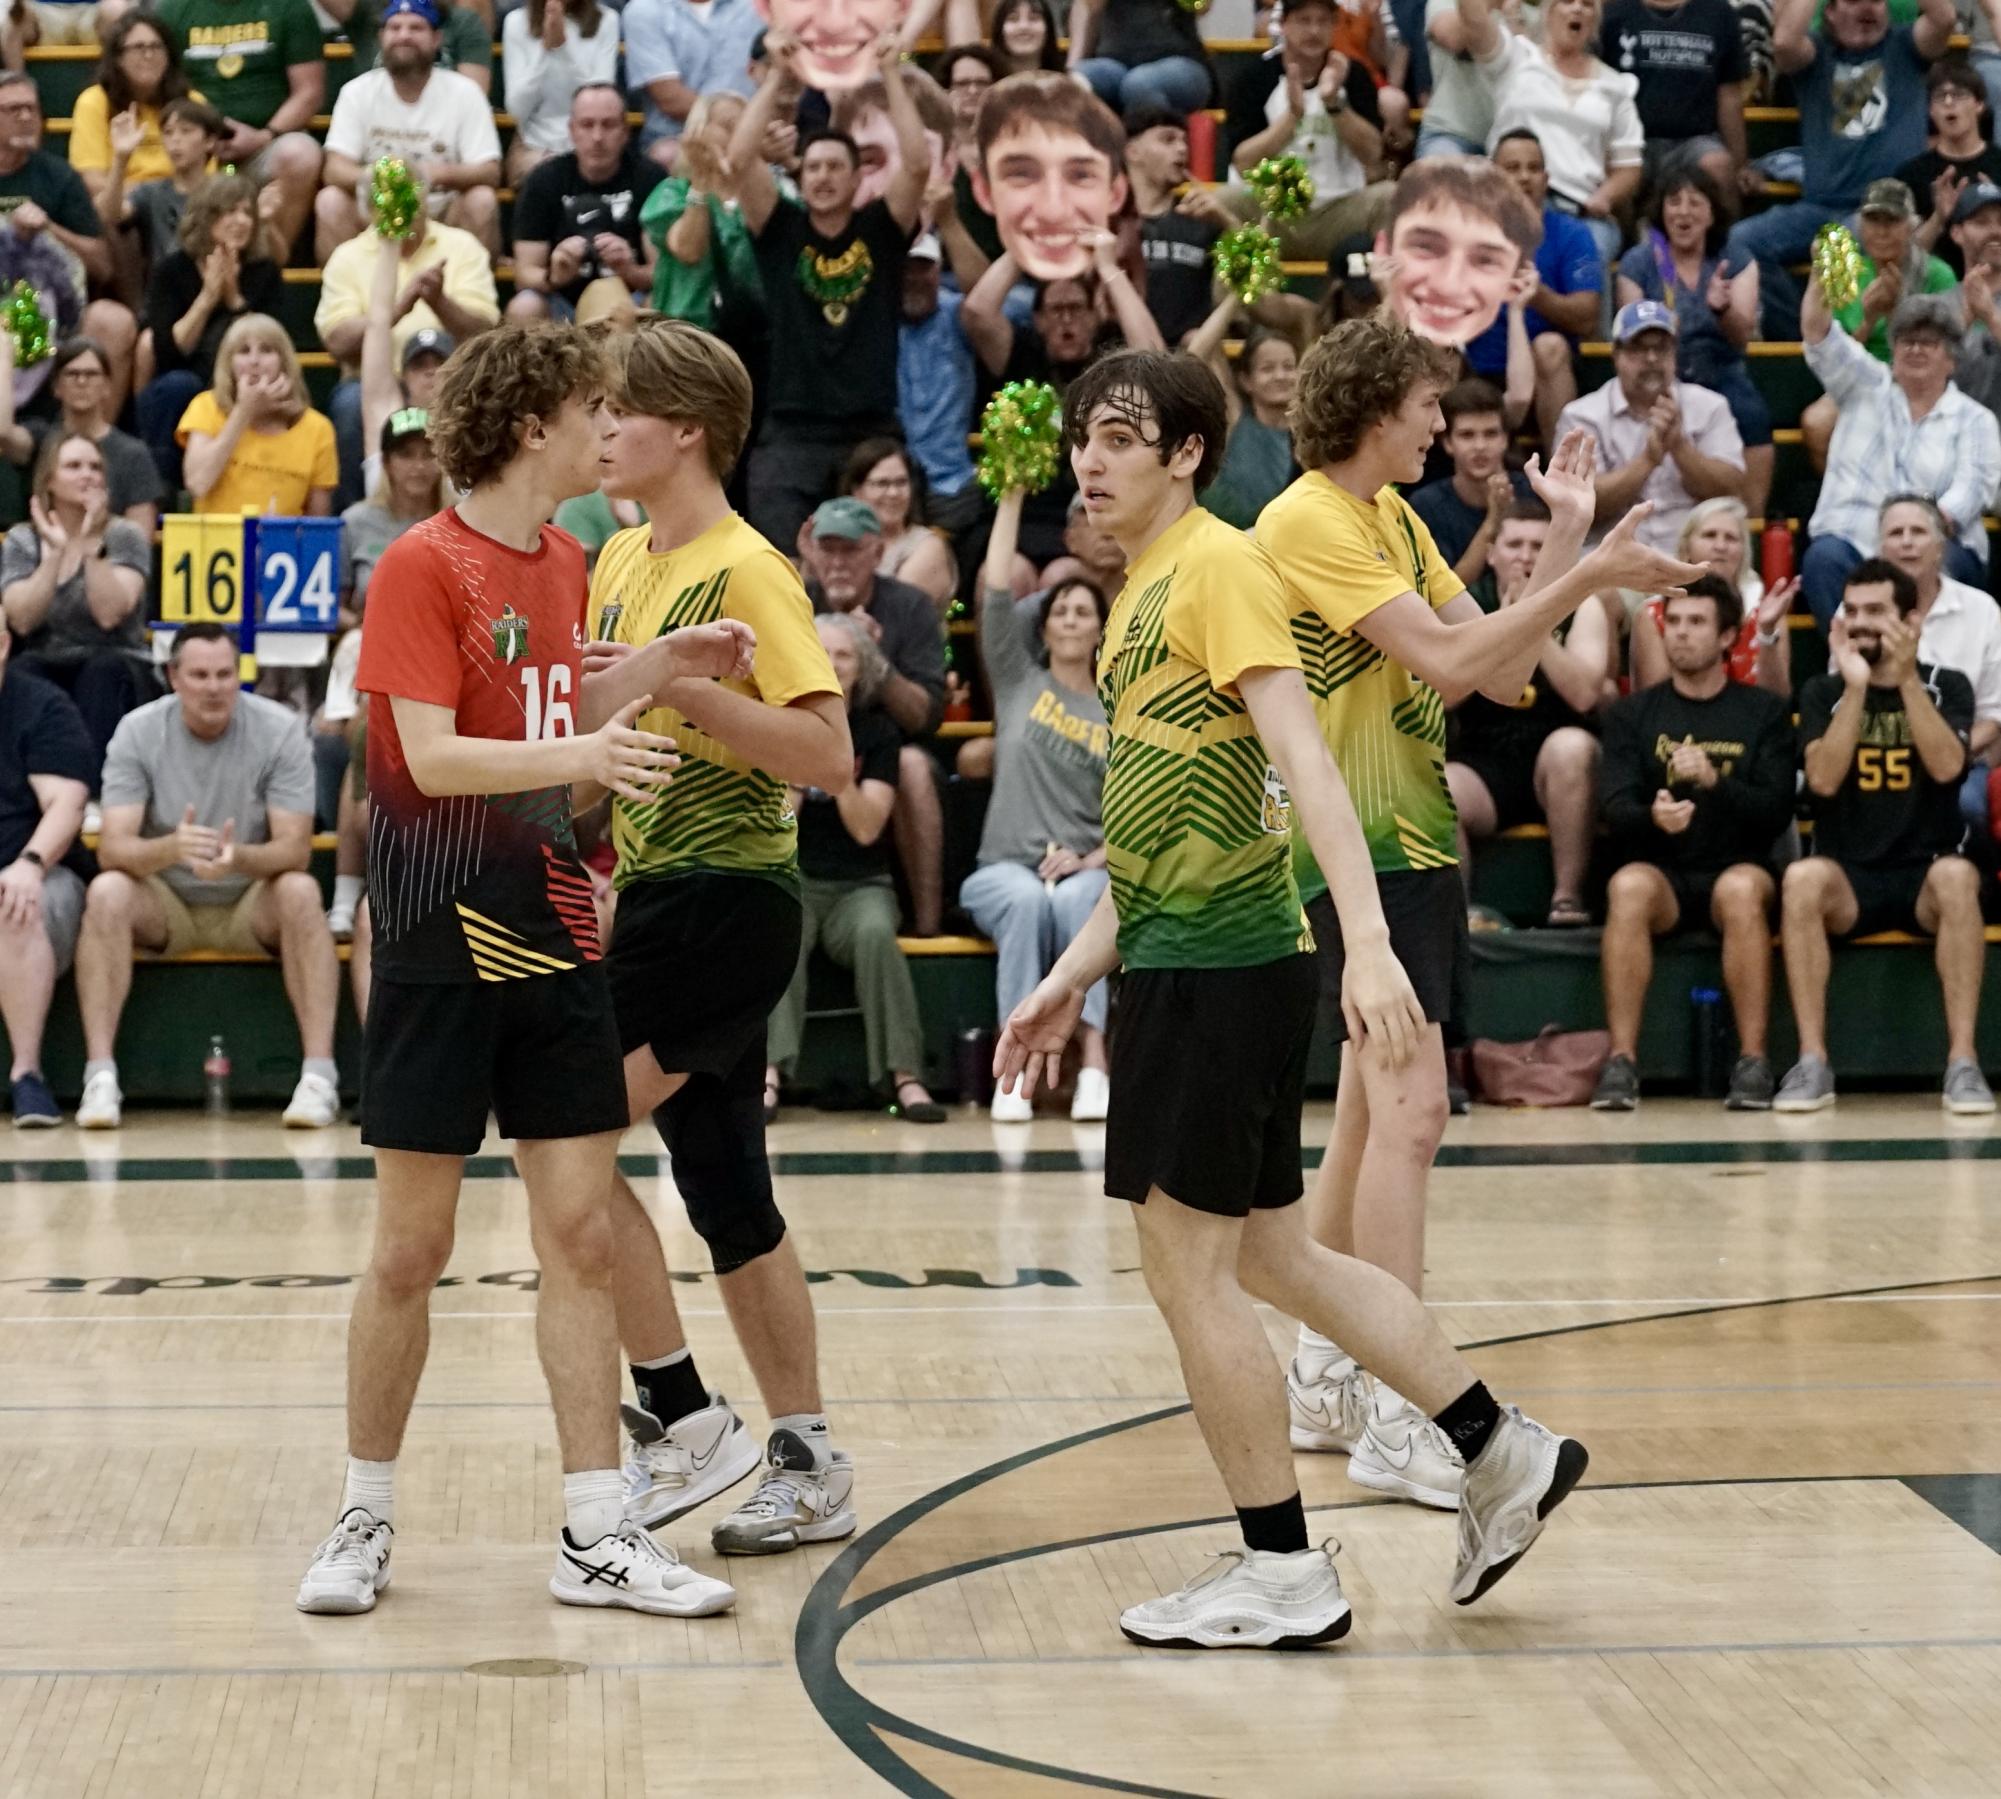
259,63
1894,264
707,270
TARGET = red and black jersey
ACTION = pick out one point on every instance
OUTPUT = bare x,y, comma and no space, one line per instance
483,887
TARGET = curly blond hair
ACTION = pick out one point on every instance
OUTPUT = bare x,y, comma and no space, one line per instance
1356,376
493,384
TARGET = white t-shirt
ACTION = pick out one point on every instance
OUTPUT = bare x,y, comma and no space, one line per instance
541,83
1588,127
1462,99
452,121
1332,165
1963,631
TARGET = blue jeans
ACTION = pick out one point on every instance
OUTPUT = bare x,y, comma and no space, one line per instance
1031,926
1445,143
157,412
344,408
1829,560
1177,81
1773,239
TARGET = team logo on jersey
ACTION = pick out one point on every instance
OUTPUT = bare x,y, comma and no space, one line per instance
614,610
510,635
1277,807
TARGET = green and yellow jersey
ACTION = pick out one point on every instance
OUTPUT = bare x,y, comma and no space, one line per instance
719,813
1340,558
1198,826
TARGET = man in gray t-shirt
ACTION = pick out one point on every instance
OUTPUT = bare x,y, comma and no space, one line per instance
207,831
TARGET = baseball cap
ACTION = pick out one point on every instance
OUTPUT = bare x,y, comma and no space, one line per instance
1980,194
1643,315
428,342
925,248
846,518
1889,196
422,8
402,425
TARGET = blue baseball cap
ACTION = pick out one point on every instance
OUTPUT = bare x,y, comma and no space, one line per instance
422,8
1641,316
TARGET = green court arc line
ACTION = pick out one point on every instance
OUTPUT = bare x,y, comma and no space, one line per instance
824,1620
806,1164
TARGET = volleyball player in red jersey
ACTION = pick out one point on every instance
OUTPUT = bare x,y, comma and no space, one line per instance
489,992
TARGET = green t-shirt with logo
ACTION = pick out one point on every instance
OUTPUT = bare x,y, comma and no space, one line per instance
236,52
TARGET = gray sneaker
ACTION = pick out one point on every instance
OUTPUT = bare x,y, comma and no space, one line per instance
1618,1088
1750,1086
1512,1486
1966,1090
1808,1087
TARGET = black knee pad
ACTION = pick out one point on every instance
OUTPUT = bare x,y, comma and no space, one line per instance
714,1132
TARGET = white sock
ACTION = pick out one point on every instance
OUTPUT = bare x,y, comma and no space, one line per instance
811,1429
324,1067
1322,1357
107,1066
372,1486
347,892
593,1504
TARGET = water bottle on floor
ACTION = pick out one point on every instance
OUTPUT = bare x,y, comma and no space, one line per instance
215,1077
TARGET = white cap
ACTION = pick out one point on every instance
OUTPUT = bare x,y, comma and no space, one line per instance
925,248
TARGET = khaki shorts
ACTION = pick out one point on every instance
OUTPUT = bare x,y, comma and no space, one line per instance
224,929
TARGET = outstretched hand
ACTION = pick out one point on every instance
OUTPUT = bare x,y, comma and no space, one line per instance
1623,561
1566,486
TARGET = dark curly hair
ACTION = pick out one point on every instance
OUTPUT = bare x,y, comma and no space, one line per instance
494,383
1168,398
1356,376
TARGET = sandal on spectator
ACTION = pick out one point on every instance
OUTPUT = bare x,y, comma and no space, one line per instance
1568,914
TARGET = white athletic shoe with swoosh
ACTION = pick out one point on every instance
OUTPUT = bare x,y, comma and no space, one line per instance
675,1467
799,1500
1404,1453
1248,1599
1328,1411
627,1568
1512,1486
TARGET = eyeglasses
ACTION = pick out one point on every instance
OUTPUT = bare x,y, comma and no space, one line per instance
20,109
888,483
143,49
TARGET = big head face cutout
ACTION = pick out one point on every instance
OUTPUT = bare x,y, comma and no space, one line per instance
836,38
1051,171
1460,237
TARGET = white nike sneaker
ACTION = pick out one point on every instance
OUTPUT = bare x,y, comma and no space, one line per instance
1011,1105
795,1502
102,1104
629,1569
1512,1486
1404,1453
350,1567
1092,1100
675,1467
1248,1599
315,1104
1329,1411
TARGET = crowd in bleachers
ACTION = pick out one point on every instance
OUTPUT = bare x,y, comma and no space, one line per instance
828,205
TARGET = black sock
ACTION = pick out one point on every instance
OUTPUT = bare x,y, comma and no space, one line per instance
671,1391
1469,1421
1279,1528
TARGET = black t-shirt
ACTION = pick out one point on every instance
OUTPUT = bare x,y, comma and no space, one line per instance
1489,735
1453,524
826,851
833,353
1921,171
1249,104
1681,56
1044,515
1750,739
1179,286
980,224
1889,813
908,633
56,188
41,733
556,202
174,287
1142,31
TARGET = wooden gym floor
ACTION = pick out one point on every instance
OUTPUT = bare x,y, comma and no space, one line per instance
1782,1576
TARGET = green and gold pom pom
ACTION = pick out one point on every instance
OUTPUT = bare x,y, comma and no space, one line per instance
1837,265
1282,187
394,198
1247,262
27,324
1021,439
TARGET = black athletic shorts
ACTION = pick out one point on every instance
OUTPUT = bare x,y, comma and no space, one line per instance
698,962
1208,1075
1694,889
1511,786
1886,899
1425,909
540,1055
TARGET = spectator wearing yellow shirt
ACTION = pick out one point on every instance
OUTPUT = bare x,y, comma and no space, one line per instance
253,442
140,72
446,285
